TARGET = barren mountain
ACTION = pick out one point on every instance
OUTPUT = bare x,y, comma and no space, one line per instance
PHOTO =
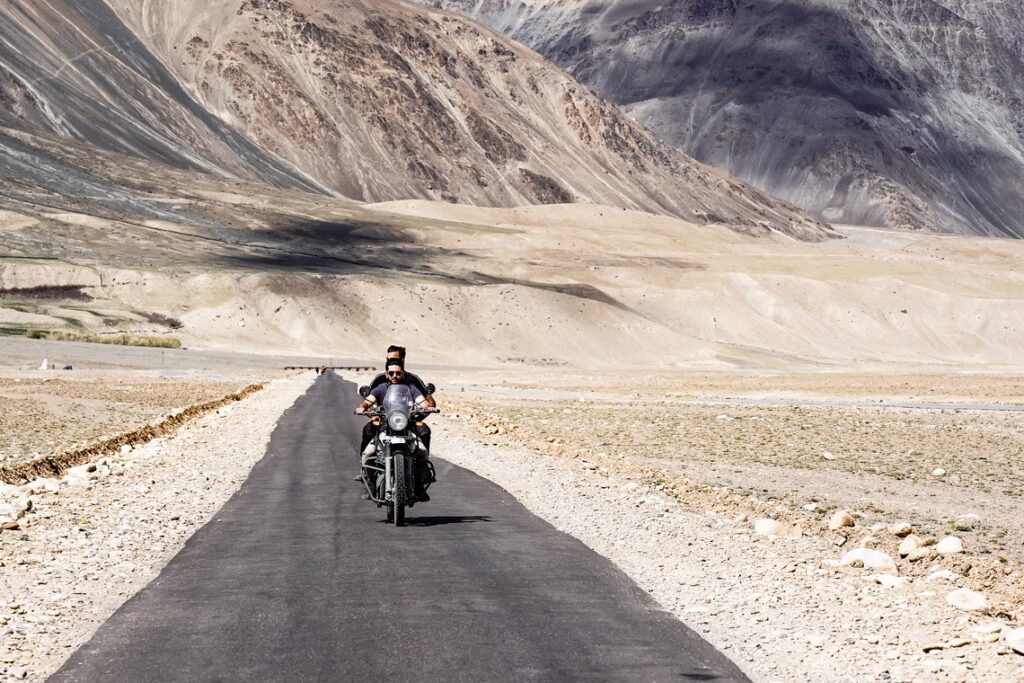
362,100
867,112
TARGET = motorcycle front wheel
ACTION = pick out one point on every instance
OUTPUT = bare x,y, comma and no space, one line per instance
400,492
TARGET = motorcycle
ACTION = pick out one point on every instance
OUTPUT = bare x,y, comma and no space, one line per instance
391,475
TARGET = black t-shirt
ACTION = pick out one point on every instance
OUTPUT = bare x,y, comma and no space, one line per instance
410,379
379,391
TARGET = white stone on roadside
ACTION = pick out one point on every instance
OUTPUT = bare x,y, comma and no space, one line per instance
938,472
827,455
76,475
16,507
991,627
872,559
888,580
125,449
771,528
16,672
1015,639
810,507
941,575
42,485
919,553
910,544
839,519
900,529
950,545
967,600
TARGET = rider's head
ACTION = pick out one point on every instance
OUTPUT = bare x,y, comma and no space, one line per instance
395,370
396,352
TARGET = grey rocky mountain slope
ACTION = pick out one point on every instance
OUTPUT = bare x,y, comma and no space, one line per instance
870,112
73,68
367,101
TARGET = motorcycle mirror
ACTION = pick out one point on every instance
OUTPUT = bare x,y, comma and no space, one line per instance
364,391
430,389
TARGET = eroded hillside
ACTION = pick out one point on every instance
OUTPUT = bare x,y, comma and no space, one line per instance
366,101
899,114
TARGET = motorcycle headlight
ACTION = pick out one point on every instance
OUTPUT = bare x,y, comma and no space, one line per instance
398,421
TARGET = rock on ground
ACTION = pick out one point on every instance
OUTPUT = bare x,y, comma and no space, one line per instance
967,600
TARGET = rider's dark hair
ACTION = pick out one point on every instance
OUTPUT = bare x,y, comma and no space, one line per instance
399,349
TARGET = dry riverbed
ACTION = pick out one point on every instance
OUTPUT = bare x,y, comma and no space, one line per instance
92,539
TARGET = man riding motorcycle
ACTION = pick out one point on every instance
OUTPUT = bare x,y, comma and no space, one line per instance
395,374
423,429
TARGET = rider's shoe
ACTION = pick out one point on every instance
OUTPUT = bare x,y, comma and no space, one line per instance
422,496
359,479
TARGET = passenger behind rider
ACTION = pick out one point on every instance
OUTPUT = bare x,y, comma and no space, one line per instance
395,374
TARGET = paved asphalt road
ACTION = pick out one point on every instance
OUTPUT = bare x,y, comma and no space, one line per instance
297,578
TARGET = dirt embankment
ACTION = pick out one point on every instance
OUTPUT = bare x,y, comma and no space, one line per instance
56,464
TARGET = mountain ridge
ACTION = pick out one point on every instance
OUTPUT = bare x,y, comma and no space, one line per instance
906,116
363,101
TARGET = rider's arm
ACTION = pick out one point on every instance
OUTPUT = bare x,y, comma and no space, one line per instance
426,399
367,403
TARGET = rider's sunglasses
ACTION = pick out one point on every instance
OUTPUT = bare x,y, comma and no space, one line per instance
395,374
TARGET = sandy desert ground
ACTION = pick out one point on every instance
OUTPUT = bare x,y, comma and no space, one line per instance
587,286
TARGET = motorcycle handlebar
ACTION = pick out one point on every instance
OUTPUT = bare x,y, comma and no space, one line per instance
380,412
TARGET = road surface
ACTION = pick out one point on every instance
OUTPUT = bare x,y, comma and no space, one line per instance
296,578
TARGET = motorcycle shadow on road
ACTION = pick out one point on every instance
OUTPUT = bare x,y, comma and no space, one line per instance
445,519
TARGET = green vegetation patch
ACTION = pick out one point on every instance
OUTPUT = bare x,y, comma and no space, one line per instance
124,339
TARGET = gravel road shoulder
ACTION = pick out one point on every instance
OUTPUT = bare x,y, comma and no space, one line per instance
779,607
100,536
